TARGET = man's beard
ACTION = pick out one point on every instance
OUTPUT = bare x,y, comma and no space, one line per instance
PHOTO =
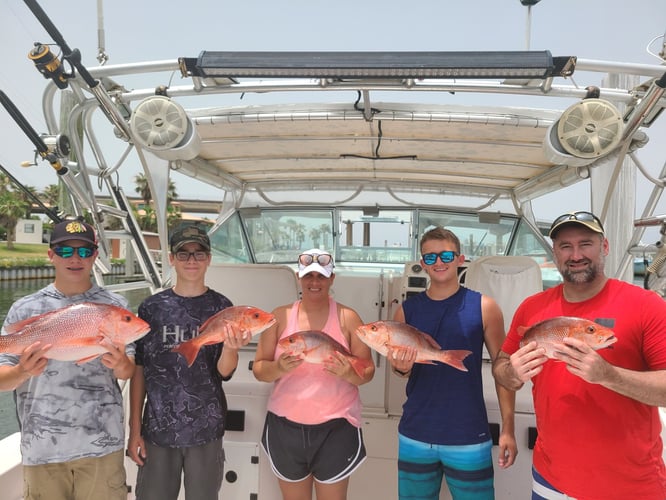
586,275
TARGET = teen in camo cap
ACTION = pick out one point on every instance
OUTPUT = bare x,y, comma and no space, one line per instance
189,234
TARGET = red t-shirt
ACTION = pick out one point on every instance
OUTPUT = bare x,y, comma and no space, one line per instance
594,443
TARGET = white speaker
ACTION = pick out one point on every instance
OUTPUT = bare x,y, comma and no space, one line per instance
163,127
586,131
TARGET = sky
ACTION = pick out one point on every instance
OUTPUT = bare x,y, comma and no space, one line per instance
144,30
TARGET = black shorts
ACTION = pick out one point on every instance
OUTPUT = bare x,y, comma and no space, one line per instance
330,451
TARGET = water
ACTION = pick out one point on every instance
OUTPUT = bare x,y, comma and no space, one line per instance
11,291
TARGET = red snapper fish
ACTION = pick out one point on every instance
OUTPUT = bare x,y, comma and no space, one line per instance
78,332
316,347
395,335
550,332
214,329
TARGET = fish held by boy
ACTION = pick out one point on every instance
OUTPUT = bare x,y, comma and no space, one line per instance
214,329
550,332
77,332
395,335
317,347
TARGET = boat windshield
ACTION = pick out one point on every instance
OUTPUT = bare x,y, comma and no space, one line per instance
371,237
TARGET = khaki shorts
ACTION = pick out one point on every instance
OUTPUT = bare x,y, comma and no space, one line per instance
85,478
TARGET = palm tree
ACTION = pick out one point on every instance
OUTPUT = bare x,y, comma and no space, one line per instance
147,221
51,195
13,206
143,189
325,231
28,199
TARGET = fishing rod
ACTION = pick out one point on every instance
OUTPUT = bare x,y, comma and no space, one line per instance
56,150
53,155
50,213
50,66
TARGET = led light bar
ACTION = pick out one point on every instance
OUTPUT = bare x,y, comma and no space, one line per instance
354,65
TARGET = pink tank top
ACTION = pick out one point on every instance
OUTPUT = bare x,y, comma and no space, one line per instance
308,394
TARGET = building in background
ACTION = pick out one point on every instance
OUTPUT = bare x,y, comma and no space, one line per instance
29,231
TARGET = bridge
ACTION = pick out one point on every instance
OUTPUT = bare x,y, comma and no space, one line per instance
189,206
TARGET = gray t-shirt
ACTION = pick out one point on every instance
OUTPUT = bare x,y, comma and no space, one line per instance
69,411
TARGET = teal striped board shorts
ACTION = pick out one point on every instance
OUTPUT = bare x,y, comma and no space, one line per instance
468,470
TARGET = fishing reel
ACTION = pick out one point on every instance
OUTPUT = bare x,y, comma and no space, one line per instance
49,65
56,153
58,145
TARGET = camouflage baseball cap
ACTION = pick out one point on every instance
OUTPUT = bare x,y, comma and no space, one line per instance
189,234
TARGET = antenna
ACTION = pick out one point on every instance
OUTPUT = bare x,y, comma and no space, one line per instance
528,4
102,56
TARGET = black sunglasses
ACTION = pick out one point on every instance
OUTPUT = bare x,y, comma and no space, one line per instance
199,255
446,257
581,215
67,252
305,259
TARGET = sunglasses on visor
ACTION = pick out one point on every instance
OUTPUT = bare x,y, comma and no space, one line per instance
577,216
67,252
305,259
446,257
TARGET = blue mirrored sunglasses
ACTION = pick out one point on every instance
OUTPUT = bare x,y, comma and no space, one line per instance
67,252
446,257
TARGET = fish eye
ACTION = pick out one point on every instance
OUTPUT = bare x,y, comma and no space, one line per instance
128,318
591,329
373,328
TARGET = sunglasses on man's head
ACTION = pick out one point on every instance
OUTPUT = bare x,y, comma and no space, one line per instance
67,252
199,255
577,216
305,259
446,257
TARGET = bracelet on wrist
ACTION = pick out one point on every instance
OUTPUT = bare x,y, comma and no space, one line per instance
401,373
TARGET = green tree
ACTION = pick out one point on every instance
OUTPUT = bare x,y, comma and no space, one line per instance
13,206
143,189
28,199
145,215
51,195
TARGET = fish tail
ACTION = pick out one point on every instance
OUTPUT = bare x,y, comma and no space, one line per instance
189,350
454,358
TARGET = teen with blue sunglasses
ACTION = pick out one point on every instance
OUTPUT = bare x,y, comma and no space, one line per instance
71,415
444,431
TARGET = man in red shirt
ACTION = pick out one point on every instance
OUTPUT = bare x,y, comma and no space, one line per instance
596,411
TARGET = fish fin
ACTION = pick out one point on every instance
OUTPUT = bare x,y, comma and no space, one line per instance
24,323
360,365
188,350
205,324
87,359
432,342
455,358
